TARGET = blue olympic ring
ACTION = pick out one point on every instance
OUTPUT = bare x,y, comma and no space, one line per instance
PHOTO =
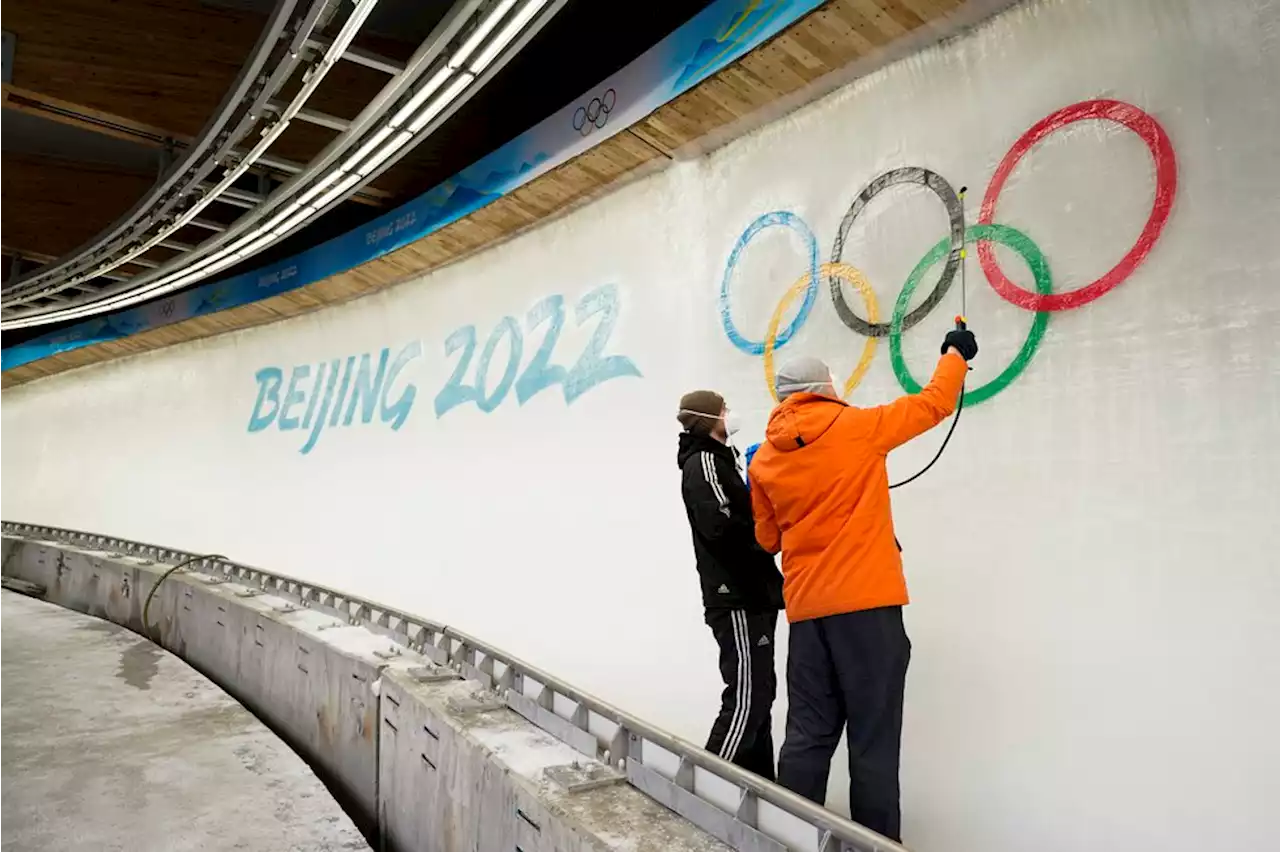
784,219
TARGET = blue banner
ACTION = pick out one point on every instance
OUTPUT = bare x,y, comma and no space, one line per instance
720,34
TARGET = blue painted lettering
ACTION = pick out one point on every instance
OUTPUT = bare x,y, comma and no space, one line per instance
342,391
334,391
367,389
324,406
269,380
397,412
292,397
315,396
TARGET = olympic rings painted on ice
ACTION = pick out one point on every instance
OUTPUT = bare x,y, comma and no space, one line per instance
955,213
778,218
1157,140
1031,253
1043,301
836,272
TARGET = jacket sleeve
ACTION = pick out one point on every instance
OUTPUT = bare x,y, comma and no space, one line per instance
708,502
768,535
915,414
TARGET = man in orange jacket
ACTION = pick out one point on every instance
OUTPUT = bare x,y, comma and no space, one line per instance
820,494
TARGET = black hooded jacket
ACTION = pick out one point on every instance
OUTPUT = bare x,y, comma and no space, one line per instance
735,572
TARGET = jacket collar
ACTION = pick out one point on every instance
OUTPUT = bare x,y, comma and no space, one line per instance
691,443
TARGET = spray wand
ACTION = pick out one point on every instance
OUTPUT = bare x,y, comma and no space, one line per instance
961,325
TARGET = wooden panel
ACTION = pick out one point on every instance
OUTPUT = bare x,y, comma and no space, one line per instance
165,63
53,206
838,33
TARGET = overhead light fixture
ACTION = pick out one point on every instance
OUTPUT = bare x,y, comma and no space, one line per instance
402,139
286,212
478,35
337,192
503,25
349,30
293,221
320,186
257,245
506,35
420,96
443,100
375,142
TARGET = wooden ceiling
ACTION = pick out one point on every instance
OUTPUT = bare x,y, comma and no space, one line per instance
147,74
834,37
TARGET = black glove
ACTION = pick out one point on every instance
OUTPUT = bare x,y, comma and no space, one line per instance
963,340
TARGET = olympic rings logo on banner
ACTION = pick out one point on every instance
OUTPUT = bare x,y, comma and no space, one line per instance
595,114
950,251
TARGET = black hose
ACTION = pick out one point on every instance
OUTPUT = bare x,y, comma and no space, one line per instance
938,455
146,607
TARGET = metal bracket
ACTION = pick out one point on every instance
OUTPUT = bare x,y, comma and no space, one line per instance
581,777
477,703
433,674
562,729
723,826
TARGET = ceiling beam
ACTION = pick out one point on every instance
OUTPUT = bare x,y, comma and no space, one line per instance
87,118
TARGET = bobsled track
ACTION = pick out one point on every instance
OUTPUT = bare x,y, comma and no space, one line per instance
453,432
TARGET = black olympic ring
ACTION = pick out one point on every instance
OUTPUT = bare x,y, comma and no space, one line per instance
596,113
942,189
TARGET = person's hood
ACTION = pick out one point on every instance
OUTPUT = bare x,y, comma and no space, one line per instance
691,443
801,420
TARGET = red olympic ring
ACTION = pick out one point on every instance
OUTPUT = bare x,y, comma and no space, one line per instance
1150,131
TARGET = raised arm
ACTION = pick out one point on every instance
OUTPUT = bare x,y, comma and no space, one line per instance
917,413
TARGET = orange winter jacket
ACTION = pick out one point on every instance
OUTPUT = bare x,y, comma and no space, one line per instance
820,494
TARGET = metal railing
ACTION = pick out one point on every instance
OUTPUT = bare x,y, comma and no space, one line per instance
733,805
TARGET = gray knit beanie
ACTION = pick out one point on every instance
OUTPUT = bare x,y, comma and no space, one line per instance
804,375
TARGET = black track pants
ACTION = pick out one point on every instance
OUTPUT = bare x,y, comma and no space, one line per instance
742,733
848,671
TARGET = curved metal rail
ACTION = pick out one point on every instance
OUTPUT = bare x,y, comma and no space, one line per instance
763,816
473,41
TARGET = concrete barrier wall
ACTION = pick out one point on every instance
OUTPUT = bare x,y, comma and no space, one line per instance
423,758
432,738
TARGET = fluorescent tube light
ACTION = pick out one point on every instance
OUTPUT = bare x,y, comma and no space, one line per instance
420,96
337,192
442,100
402,139
375,142
349,30
506,35
478,35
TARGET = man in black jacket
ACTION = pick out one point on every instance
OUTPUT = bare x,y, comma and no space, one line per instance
741,584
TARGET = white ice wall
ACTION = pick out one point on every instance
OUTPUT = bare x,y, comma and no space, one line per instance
1092,562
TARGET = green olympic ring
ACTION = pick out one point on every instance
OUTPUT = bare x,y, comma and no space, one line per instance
1033,257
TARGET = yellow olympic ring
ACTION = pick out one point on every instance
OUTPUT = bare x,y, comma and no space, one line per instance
843,272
